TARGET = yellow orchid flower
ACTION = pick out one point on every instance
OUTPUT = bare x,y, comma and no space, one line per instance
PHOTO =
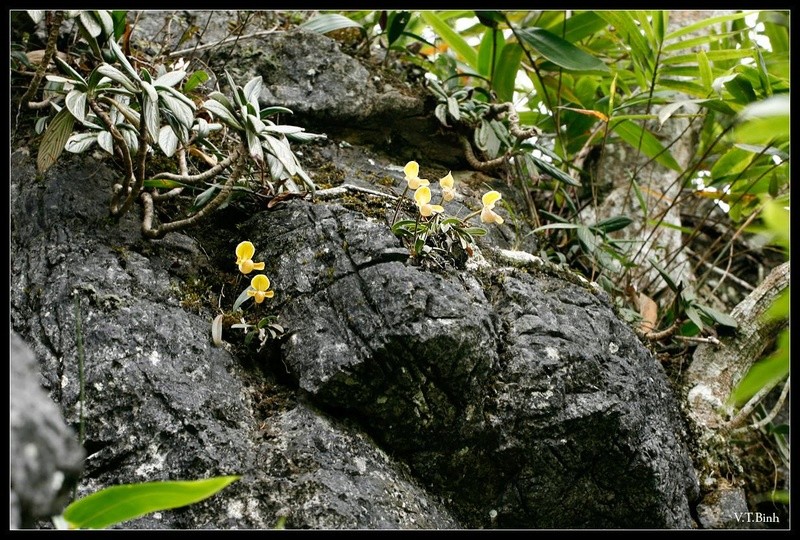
447,183
244,258
412,175
423,198
488,215
260,283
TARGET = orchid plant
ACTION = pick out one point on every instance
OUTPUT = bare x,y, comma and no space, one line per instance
432,231
259,290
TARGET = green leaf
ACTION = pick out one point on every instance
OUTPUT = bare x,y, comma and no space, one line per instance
330,22
732,162
195,79
54,139
120,18
587,239
106,142
117,504
694,316
664,274
506,70
452,38
561,52
717,316
764,121
254,146
242,298
612,224
163,183
635,136
183,113
397,25
764,373
705,24
555,172
280,149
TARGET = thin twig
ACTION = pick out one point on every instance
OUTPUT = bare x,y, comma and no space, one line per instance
224,41
338,191
748,407
695,339
775,410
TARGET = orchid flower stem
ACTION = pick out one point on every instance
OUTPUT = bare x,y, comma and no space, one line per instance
397,208
416,231
470,216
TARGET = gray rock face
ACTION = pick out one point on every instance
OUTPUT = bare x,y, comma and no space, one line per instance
45,457
520,397
161,402
333,92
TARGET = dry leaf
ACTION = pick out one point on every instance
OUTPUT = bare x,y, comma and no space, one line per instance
648,309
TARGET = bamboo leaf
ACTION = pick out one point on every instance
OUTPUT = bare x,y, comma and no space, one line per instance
491,47
612,224
54,139
397,26
561,52
506,70
664,274
706,23
637,137
117,504
554,171
452,38
624,24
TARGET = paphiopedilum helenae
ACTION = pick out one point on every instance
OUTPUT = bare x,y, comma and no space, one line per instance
244,258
